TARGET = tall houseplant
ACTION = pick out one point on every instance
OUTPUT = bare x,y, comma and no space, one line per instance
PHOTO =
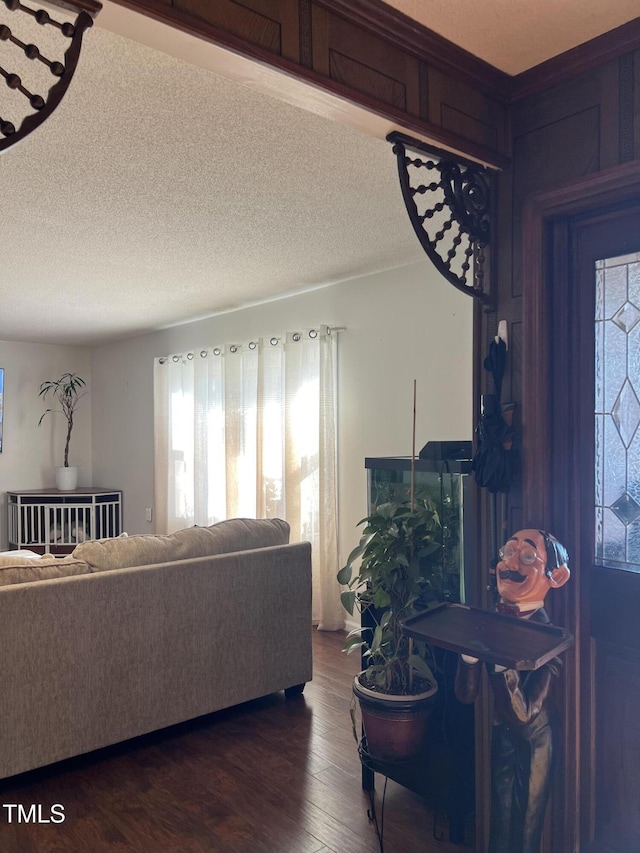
398,553
67,392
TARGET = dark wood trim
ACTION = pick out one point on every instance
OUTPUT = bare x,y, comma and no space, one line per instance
409,35
563,607
306,39
546,257
535,370
625,107
91,7
578,60
598,189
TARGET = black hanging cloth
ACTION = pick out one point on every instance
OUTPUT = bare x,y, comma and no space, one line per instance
492,463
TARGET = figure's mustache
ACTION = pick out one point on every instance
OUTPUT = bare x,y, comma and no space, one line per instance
509,575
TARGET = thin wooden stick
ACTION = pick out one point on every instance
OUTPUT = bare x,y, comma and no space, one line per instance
413,494
413,449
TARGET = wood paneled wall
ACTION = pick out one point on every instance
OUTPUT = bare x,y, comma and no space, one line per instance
586,123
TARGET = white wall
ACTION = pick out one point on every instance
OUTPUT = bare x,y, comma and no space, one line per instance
30,453
401,325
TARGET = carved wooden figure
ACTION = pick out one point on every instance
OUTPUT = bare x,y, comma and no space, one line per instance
522,748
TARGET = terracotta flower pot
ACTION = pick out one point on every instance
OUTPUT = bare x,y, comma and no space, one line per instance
395,726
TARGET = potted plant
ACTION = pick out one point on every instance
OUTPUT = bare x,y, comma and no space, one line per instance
67,391
398,553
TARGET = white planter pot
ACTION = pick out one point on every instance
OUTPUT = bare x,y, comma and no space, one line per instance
67,478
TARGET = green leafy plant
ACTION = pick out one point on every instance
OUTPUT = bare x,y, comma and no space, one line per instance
67,391
398,551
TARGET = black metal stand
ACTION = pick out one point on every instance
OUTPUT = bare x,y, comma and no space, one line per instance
443,771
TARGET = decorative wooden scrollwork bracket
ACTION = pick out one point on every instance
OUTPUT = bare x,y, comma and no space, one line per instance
449,210
38,107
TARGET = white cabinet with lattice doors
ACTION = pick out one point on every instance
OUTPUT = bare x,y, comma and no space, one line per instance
51,521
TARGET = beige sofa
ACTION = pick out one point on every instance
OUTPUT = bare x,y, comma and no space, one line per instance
143,632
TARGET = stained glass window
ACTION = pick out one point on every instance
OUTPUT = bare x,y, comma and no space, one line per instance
617,412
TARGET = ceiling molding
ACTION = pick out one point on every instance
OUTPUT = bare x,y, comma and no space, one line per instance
578,60
387,22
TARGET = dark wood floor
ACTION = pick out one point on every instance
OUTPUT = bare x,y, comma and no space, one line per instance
271,776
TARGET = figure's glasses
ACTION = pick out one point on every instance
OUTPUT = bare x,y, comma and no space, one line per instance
526,555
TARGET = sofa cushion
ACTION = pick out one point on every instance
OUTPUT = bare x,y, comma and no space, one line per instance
236,534
23,569
245,534
21,552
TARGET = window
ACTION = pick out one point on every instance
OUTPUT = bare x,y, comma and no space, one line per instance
617,412
249,430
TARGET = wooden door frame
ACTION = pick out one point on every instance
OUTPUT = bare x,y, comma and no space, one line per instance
547,263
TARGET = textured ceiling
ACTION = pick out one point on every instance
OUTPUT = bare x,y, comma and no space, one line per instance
160,191
515,35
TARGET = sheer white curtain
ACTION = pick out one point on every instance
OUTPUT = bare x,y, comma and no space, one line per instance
249,431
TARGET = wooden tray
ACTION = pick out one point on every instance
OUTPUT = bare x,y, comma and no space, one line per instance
492,637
